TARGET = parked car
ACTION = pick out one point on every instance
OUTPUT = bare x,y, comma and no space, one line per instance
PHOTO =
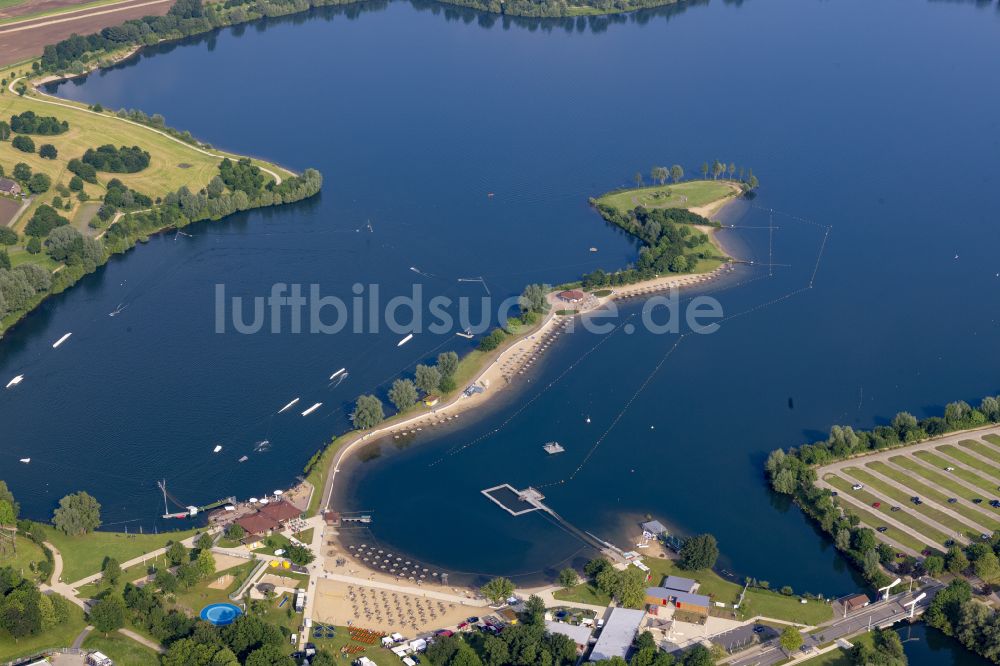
472,620
758,629
995,504
977,500
883,529
876,504
952,500
949,543
857,486
895,508
949,469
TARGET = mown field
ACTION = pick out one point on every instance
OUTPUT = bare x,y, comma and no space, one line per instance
954,481
688,194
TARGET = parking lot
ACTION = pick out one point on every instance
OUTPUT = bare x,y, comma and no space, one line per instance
924,497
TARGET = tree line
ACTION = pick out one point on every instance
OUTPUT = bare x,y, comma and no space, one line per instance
559,8
975,624
185,18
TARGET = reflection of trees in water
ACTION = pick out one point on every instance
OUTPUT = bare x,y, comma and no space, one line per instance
593,24
467,15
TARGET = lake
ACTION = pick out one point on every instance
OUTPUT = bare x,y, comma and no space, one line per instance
414,113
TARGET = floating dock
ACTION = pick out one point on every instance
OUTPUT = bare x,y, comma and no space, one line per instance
553,448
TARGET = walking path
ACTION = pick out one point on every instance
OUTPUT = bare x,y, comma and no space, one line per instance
78,641
93,578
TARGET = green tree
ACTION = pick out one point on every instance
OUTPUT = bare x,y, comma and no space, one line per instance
205,563
204,541
699,552
568,577
732,170
955,560
717,169
534,610
39,183
235,532
108,614
934,565
704,170
23,143
47,151
987,566
638,179
403,394
368,412
76,183
177,553
659,174
428,378
22,172
497,590
791,639
447,363
676,173
752,181
533,298
111,572
77,514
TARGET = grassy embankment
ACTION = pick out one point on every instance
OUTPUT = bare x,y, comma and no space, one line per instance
699,196
123,651
757,602
23,557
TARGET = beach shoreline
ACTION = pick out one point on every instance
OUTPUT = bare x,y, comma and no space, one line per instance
504,364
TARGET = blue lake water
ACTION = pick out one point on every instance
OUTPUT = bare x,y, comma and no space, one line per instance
875,119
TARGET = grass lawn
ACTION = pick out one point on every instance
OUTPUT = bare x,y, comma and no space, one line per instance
689,194
903,515
992,439
761,602
84,555
342,637
305,536
21,558
961,456
200,595
123,650
272,543
131,574
902,498
873,521
988,486
982,449
939,478
583,593
61,636
933,493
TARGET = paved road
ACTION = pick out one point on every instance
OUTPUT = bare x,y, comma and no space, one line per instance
875,615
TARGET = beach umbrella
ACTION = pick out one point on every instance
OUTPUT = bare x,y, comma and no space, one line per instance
253,500
273,564
286,564
279,492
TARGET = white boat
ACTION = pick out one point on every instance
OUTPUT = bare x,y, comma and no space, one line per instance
26,460
312,409
61,340
289,405
467,334
405,340
218,447
14,382
338,373
243,459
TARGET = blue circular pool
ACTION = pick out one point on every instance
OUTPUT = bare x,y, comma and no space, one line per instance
221,614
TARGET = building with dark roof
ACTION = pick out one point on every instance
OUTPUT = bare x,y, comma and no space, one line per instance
11,187
657,597
679,583
571,295
280,512
257,523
